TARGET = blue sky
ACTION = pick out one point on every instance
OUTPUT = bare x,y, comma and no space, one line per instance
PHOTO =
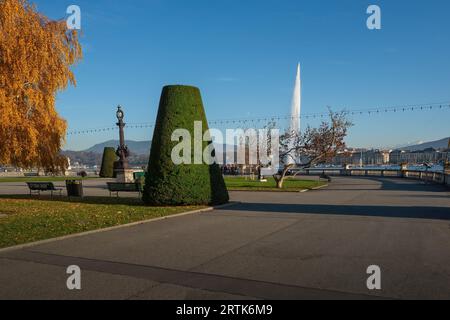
243,56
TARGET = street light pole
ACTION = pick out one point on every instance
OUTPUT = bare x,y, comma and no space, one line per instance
121,167
122,151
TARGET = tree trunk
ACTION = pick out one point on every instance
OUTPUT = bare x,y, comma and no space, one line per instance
279,179
280,183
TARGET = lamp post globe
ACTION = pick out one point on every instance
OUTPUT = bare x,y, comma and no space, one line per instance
119,113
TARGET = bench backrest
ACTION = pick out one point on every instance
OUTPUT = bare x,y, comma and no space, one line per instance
42,186
123,187
31,174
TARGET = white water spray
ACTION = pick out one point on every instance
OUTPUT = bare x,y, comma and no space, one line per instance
296,108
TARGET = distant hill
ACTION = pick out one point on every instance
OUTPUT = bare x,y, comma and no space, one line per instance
140,151
136,147
438,144
87,158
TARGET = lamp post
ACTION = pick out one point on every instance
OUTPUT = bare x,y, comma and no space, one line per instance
446,160
121,167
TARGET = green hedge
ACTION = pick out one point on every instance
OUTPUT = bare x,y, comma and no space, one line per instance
109,157
185,184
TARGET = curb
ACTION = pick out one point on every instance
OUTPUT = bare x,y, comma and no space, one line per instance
133,224
321,187
314,189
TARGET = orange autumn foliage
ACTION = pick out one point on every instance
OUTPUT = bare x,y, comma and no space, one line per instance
36,54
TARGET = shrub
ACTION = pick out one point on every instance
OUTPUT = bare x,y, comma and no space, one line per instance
109,157
185,184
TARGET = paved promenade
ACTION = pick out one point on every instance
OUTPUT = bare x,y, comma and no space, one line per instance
316,244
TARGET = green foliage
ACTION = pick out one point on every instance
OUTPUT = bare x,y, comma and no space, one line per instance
109,157
290,185
186,184
24,220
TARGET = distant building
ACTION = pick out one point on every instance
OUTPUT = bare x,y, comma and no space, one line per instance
376,157
429,155
362,156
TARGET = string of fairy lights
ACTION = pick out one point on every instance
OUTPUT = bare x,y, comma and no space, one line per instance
265,120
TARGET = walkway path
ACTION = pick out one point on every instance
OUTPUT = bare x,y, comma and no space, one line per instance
271,246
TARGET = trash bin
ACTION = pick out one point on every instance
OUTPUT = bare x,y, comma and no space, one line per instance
74,188
139,179
138,176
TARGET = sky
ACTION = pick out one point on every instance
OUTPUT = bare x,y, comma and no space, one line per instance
243,56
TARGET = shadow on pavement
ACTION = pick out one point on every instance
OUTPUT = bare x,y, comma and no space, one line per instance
437,213
386,184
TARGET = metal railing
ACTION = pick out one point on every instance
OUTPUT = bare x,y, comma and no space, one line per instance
428,176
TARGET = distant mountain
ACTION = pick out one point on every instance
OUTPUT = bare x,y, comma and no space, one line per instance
438,144
82,157
402,145
140,151
136,147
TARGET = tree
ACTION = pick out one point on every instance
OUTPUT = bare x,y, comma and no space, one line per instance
109,157
315,146
186,183
35,59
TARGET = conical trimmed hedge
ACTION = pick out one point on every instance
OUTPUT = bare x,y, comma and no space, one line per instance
184,184
109,157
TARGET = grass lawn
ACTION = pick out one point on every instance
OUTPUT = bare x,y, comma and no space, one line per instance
41,179
24,220
290,185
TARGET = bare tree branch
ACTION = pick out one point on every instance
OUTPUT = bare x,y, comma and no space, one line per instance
314,146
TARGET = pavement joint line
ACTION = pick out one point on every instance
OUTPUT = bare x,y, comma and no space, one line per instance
133,224
159,284
261,289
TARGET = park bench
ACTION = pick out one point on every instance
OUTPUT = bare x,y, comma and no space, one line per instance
325,177
38,187
116,187
30,174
